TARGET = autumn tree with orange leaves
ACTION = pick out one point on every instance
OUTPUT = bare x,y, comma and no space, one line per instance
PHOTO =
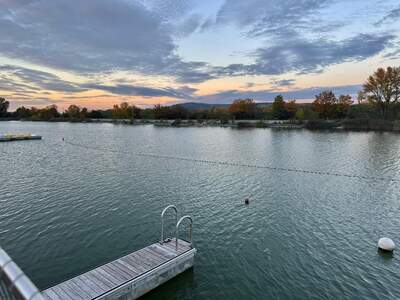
382,89
329,107
243,108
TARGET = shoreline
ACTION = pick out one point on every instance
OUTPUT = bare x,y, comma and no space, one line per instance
342,125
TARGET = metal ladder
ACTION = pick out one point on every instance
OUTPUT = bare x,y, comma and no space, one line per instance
178,223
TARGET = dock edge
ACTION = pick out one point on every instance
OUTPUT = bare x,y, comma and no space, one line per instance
153,278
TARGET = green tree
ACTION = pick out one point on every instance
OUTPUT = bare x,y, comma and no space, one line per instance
126,110
157,111
382,89
361,97
83,113
48,113
23,112
122,111
147,113
73,112
136,112
306,114
279,108
300,114
4,105
291,109
343,106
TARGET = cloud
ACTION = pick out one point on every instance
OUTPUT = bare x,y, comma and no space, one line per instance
14,78
10,86
18,101
283,82
27,82
188,25
169,10
301,36
85,35
309,56
193,72
125,89
392,15
269,17
393,55
95,36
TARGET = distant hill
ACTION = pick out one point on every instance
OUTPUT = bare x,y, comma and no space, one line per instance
198,105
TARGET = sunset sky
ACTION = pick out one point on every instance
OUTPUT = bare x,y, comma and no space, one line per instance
97,53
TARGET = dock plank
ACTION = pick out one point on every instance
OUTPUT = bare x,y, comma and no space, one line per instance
162,250
183,246
61,294
141,261
103,279
107,277
155,256
83,286
50,294
149,257
133,271
141,268
83,294
70,289
93,283
116,273
123,270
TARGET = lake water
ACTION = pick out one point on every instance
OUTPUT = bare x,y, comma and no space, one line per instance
66,209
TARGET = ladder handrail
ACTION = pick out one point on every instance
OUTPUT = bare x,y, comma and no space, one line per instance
190,230
162,220
15,283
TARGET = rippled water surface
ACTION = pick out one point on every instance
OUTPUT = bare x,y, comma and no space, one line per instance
66,209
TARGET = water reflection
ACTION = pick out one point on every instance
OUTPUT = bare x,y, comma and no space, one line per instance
385,255
65,210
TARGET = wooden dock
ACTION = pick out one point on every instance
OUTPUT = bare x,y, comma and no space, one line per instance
126,278
130,276
19,137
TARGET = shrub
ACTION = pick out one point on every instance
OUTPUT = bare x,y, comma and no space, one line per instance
321,124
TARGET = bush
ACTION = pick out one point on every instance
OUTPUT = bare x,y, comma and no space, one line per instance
306,114
356,124
321,124
245,125
368,124
362,112
380,125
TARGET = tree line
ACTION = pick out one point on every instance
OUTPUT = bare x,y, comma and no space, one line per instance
378,99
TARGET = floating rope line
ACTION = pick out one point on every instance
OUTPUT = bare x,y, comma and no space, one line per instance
236,164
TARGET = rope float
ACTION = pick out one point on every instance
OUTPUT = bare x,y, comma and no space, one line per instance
384,244
235,164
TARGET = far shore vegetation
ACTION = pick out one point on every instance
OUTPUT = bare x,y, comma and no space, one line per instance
378,101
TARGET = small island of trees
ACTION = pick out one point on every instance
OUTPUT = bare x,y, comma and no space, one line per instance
376,107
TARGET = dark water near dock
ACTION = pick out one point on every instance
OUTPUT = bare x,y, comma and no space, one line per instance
66,209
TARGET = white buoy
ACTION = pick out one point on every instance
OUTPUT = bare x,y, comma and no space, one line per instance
386,244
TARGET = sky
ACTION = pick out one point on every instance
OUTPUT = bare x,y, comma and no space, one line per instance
97,53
